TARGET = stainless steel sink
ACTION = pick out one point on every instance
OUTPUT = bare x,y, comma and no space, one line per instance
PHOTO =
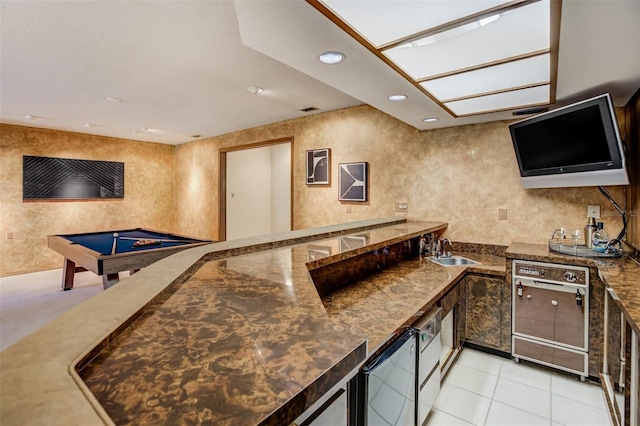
453,261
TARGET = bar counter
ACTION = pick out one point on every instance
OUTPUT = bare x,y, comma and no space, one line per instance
238,332
227,333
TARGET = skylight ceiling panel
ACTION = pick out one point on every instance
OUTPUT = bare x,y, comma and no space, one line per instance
520,31
385,21
501,101
525,72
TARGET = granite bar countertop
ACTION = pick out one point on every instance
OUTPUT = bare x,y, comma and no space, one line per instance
622,275
239,339
240,306
249,333
402,292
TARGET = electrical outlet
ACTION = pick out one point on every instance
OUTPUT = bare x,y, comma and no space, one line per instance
10,235
502,214
402,206
348,209
593,211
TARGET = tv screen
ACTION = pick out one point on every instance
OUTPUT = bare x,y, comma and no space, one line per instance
576,145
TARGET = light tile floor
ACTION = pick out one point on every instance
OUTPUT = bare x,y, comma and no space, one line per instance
483,389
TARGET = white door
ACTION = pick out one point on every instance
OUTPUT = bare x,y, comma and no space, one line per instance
258,192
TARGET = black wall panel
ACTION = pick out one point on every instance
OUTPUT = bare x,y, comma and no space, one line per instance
46,178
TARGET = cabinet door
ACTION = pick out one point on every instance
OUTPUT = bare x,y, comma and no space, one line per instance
632,389
613,330
484,311
455,300
449,300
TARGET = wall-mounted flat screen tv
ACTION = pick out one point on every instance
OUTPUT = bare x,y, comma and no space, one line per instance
575,145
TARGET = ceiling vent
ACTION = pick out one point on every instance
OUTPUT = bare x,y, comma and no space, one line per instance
309,109
530,111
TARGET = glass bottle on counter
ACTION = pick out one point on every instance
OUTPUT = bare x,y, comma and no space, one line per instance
600,239
589,230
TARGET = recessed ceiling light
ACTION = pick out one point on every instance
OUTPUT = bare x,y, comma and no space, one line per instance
397,98
430,120
430,49
110,99
88,125
30,117
255,90
331,58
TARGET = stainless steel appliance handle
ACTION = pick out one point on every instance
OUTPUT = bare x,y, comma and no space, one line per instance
567,287
388,352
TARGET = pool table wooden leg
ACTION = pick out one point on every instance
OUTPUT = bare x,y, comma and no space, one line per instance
68,273
109,280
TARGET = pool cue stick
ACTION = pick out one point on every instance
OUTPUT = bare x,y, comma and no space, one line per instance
159,239
115,243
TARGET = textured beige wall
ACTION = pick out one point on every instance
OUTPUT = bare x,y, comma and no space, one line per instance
148,201
461,175
196,183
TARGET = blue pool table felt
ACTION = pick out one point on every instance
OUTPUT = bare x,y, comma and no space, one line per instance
102,242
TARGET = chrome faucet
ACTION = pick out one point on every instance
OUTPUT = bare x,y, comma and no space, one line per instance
443,243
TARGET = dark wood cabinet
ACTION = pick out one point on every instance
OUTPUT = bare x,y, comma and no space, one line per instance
632,377
455,300
453,324
613,332
488,312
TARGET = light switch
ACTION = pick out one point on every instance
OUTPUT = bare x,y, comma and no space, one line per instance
593,211
502,214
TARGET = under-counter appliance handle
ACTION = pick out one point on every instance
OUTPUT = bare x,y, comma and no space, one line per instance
388,352
435,313
553,286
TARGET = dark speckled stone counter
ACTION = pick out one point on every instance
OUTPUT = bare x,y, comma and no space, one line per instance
382,304
228,333
402,292
245,340
623,277
235,335
239,339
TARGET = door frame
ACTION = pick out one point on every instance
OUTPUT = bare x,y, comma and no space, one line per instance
222,180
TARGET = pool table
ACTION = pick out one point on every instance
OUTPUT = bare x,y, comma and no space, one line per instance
110,252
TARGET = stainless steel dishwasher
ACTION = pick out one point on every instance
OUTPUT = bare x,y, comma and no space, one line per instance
389,382
428,383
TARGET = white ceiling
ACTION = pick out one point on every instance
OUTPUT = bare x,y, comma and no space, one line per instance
181,68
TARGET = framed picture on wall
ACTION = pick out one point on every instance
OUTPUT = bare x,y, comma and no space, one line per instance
46,178
319,166
353,181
